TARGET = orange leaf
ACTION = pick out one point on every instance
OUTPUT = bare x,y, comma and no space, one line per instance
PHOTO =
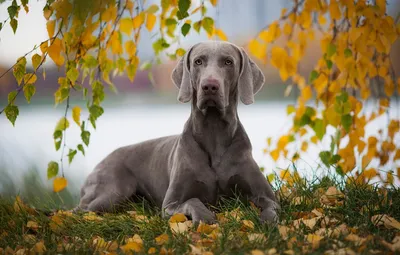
59,184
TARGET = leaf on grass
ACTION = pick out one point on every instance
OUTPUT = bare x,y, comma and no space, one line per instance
247,225
180,227
385,220
32,225
206,228
256,237
355,239
178,217
162,239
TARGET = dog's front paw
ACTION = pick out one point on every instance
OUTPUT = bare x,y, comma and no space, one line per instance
269,215
203,215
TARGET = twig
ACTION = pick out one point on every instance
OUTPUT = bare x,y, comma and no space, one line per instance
64,137
34,73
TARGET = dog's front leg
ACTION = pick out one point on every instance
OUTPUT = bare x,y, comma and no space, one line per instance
193,208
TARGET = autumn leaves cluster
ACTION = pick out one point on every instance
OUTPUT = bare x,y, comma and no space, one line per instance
355,40
320,223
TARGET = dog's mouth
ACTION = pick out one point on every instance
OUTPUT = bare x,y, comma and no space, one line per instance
210,103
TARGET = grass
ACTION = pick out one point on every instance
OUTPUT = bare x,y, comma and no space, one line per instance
318,217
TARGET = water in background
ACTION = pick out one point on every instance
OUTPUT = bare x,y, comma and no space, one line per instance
30,143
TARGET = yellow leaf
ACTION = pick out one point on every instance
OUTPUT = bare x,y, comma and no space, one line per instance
36,59
179,227
162,239
130,48
30,78
334,10
247,225
257,252
321,19
221,34
278,56
115,41
76,115
256,237
150,21
44,46
152,250
355,239
59,184
51,24
109,14
54,51
39,247
257,49
274,154
314,240
370,173
180,52
214,2
206,228
132,246
287,29
126,26
179,217
382,6
306,93
32,224
138,20
271,34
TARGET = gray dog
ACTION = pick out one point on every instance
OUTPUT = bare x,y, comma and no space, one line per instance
211,158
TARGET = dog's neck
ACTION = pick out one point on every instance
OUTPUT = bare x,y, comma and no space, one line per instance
214,130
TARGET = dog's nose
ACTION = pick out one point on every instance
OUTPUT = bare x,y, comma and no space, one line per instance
210,87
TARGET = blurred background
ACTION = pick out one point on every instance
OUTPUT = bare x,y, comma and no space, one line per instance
140,110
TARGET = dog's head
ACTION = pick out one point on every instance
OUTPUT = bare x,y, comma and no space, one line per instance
213,71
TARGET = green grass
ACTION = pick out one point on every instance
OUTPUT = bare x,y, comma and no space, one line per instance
76,234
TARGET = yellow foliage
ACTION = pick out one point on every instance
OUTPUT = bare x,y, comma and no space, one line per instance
59,184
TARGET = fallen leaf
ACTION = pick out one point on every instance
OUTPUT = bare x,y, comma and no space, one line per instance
247,225
257,252
32,225
256,237
310,223
39,247
289,252
180,227
91,216
355,239
283,231
29,238
132,246
314,240
179,217
385,220
152,250
342,251
162,239
206,228
272,251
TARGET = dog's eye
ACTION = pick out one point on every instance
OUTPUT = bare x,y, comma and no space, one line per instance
198,62
228,62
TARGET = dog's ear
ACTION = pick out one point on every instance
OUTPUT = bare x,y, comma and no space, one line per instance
251,79
181,78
